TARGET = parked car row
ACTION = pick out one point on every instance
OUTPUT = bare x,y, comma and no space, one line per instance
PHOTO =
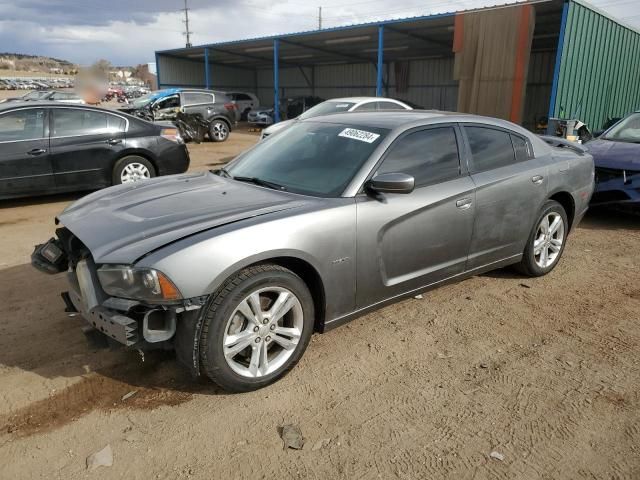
50,95
35,84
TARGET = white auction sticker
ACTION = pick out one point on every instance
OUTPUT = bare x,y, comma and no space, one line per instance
361,135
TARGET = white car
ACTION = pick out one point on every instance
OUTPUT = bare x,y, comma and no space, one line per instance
244,102
338,105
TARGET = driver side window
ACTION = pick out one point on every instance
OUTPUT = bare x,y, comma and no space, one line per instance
169,102
430,156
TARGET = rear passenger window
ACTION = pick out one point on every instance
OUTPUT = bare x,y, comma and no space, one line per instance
521,146
195,98
430,156
69,122
490,148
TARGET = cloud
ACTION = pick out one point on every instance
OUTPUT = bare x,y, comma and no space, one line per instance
127,32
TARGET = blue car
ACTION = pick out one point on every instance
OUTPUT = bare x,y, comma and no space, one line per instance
616,154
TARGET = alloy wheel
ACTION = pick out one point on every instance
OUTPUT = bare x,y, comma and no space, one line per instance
219,131
547,242
134,172
263,332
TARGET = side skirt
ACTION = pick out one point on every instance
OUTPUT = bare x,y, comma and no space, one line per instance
336,322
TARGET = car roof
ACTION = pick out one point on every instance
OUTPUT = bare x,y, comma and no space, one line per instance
399,119
45,103
362,99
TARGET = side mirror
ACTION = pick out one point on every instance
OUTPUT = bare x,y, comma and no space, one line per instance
391,183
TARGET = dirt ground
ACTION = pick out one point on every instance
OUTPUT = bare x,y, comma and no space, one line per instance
543,371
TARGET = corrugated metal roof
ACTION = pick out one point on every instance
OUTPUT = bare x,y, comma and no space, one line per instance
375,23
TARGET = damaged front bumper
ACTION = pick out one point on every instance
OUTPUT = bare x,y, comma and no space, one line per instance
617,186
131,323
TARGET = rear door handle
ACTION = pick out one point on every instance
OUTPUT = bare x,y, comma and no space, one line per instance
537,179
463,203
114,141
36,151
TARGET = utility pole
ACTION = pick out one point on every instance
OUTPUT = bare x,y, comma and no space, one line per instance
319,18
186,32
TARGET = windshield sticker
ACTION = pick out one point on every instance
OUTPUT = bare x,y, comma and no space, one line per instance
361,135
342,105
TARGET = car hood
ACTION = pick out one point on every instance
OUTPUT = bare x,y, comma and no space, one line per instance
612,154
121,224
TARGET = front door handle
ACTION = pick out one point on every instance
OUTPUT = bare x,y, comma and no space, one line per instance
114,141
36,151
463,203
537,179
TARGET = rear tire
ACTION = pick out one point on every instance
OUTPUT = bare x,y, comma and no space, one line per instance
132,168
256,328
546,241
218,131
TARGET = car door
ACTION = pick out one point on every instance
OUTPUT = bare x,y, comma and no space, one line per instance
510,190
25,164
166,108
408,241
85,144
198,102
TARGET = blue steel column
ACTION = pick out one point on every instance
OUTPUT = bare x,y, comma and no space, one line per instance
158,72
206,69
380,60
556,69
276,82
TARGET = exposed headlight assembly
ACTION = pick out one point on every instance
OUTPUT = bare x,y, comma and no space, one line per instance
137,283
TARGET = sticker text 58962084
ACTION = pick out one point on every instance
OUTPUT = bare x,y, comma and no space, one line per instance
361,135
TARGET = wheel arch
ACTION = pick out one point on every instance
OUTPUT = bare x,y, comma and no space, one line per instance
565,199
223,118
138,153
298,265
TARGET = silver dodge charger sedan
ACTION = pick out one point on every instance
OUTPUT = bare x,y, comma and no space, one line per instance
338,215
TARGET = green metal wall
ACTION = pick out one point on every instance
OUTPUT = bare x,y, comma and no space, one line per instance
599,71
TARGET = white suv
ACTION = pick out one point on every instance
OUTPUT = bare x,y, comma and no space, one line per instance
338,105
244,102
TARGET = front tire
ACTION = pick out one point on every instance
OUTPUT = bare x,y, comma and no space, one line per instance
546,241
256,328
132,168
218,131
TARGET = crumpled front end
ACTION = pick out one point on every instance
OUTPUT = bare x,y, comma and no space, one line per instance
132,323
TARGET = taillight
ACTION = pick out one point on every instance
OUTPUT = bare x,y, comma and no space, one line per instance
230,106
171,134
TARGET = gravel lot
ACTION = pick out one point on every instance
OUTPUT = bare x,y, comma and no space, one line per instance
544,372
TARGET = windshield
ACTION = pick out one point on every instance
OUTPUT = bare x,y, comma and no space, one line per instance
326,108
626,130
311,158
145,99
35,95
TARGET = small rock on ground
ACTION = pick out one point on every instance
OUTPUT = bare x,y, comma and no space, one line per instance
497,455
102,458
292,437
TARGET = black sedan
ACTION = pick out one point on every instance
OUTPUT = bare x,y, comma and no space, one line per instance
48,147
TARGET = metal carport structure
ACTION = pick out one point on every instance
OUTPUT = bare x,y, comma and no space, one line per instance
409,58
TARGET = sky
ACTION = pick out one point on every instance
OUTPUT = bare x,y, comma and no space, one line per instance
128,32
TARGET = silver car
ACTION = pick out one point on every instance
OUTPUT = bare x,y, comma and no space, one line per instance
336,216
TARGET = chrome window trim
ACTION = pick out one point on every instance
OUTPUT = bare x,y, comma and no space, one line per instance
54,107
